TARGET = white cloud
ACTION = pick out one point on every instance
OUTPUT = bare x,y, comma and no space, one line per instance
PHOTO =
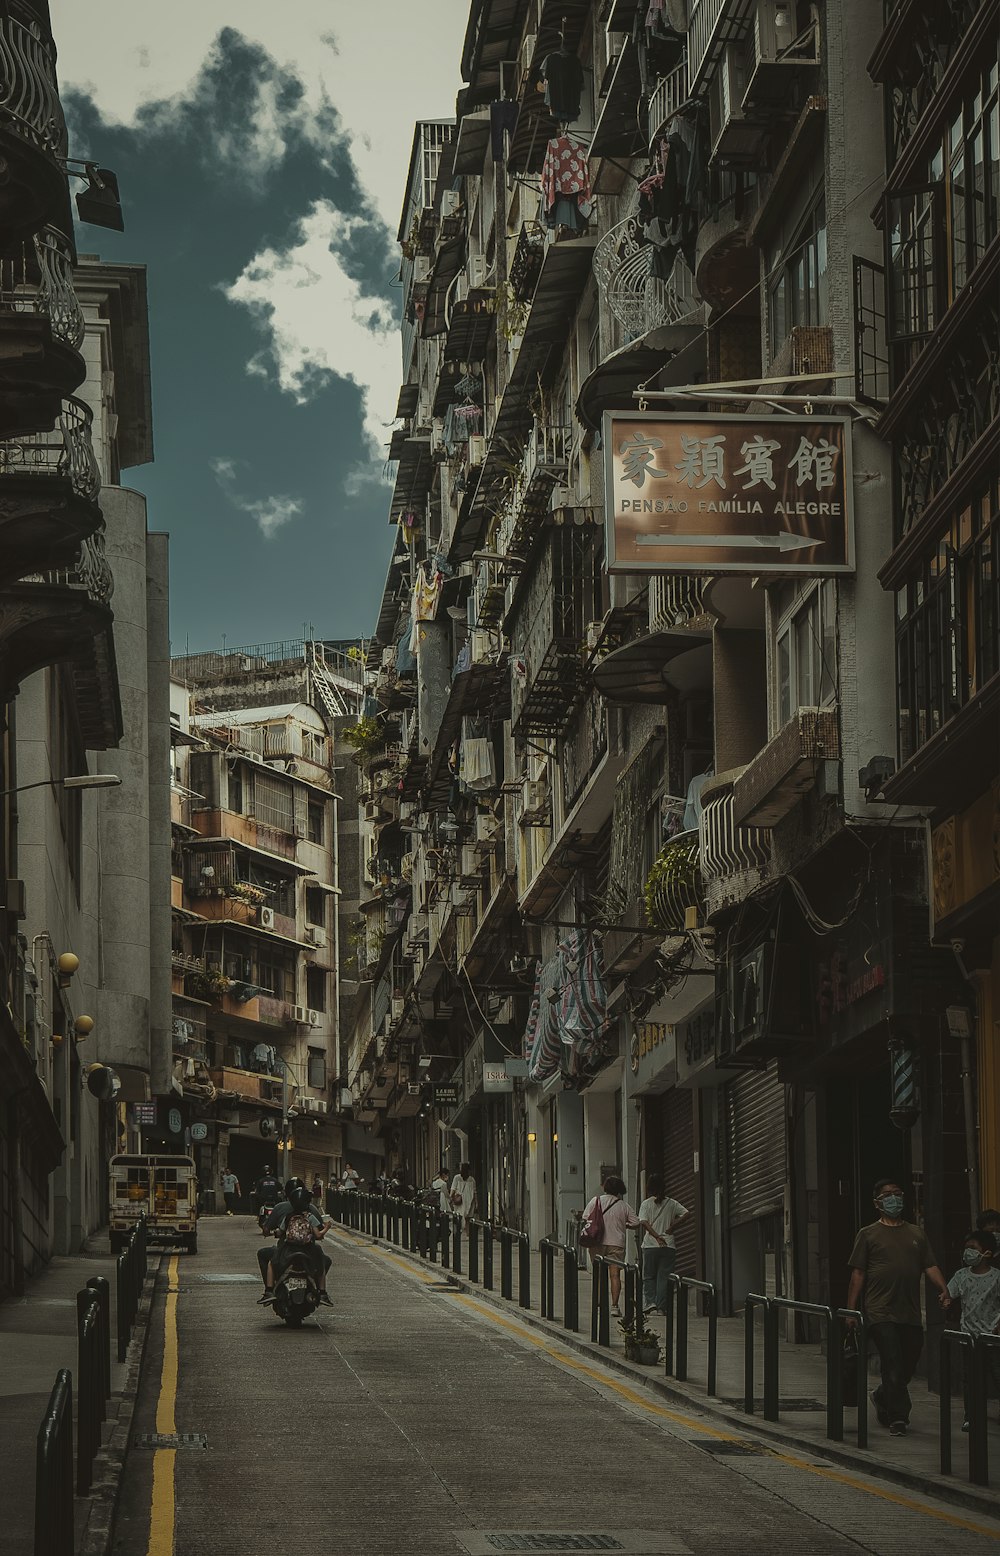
271,513
128,53
319,324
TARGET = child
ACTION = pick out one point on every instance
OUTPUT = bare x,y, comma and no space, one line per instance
977,1287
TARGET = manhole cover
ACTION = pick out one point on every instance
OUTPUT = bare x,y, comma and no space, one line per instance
219,1280
784,1404
733,1448
629,1542
170,1440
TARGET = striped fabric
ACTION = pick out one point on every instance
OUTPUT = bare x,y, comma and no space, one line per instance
569,1009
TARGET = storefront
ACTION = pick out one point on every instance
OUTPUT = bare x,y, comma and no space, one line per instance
755,1172
668,1124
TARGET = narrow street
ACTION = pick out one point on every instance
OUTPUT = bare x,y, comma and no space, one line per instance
413,1419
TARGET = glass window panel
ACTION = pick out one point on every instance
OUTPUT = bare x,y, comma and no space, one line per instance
784,678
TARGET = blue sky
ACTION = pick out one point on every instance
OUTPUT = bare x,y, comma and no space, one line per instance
262,168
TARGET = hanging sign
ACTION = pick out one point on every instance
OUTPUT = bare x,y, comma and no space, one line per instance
144,1113
728,494
495,1077
446,1096
174,1121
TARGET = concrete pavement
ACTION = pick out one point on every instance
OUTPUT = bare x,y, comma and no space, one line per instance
418,1418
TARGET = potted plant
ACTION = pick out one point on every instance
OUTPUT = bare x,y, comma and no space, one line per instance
641,1344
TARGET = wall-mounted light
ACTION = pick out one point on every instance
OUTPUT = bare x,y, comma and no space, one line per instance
532,1138
82,1027
555,1139
67,965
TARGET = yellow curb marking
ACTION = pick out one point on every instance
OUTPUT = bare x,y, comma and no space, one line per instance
162,1512
840,1477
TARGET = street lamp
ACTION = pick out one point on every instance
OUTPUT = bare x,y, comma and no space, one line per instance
82,781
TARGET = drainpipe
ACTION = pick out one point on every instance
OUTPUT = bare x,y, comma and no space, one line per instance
960,1026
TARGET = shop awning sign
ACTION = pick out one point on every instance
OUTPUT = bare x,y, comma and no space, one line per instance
728,494
446,1096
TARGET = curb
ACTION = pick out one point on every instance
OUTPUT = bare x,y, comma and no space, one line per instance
109,1465
942,1487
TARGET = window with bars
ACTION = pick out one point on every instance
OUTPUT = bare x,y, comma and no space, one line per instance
273,802
806,653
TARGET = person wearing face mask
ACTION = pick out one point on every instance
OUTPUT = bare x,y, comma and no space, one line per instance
887,1262
977,1286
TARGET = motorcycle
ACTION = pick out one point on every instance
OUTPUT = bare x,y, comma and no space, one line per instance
262,1216
296,1292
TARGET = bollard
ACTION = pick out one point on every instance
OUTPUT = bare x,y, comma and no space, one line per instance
548,1294
673,1282
456,1244
600,1304
99,1284
571,1290
54,1473
523,1270
487,1256
90,1406
474,1250
681,1370
506,1263
771,1362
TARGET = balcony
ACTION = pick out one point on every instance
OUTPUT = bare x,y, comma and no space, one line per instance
226,825
668,95
787,768
734,859
246,1085
33,141
41,330
544,466
553,609
639,300
65,614
49,485
526,265
674,884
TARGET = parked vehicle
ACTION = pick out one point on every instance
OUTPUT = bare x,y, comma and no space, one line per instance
164,1189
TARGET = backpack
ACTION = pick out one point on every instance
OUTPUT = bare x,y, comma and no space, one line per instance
298,1228
592,1226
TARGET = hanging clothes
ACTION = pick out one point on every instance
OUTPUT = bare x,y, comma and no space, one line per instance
478,771
566,197
542,1047
563,77
426,593
503,118
583,1005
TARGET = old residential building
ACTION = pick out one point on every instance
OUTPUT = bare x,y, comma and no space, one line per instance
640,886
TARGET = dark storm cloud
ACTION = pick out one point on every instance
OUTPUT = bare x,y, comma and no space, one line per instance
209,181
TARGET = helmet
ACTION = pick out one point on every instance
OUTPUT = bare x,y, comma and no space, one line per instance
292,1185
299,1197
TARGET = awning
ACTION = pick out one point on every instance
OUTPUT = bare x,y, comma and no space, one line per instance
413,478
406,405
618,132
643,671
559,21
612,384
471,142
446,267
482,686
490,42
473,321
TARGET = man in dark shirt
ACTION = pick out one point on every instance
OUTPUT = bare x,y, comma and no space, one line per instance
887,1262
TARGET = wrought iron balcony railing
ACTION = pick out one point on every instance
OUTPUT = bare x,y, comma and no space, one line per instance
39,279
90,573
674,884
676,600
67,452
29,95
639,300
734,859
670,92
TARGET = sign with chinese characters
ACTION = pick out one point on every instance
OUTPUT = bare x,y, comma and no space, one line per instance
144,1113
446,1096
728,494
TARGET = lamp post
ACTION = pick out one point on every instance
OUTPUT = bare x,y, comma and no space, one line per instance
81,781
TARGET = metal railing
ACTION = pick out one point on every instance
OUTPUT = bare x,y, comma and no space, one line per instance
667,96
90,573
54,1472
678,1287
508,1237
833,1320
29,96
600,1297
93,1314
975,1390
130,1276
639,300
547,1248
38,278
67,452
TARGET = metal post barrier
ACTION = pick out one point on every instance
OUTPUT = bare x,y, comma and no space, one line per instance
123,1298
90,1405
834,1370
444,1236
474,1250
673,1286
54,1472
100,1285
752,1301
571,1289
974,1399
861,1325
523,1270
681,1285
600,1302
506,1263
487,1256
456,1244
633,1303
547,1252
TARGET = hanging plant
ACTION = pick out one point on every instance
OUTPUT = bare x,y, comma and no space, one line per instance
366,735
674,884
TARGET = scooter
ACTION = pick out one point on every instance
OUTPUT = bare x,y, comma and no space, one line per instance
296,1292
262,1216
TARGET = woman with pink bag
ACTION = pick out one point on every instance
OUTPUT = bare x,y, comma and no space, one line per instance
603,1226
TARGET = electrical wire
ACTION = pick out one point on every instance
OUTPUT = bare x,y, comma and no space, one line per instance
485,1019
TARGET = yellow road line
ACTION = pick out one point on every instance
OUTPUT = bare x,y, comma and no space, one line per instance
162,1511
840,1477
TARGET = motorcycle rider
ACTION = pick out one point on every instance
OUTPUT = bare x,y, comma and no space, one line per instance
297,1200
267,1189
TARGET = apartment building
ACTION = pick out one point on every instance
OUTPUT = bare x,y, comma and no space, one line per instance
256,909
643,890
84,668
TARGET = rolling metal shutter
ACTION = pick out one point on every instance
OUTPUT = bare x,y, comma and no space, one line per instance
755,1141
677,1136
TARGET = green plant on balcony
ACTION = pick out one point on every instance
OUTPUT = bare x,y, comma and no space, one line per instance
674,884
246,891
511,312
365,736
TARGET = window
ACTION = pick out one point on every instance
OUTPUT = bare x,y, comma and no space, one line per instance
273,802
315,906
317,821
315,988
797,288
273,977
236,790
317,1069
806,654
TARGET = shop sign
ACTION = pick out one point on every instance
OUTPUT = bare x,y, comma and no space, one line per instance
696,1042
495,1077
654,1052
174,1121
199,1131
728,494
144,1115
446,1096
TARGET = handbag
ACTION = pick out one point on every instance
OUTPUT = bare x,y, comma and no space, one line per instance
592,1229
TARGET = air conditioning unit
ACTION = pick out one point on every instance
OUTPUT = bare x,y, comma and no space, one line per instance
254,756
316,936
476,451
534,799
486,826
398,1007
373,810
413,1089
478,270
437,435
299,1014
389,657
734,139
266,916
526,56
451,202
481,647
313,1018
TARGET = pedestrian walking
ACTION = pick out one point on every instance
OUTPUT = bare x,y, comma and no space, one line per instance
317,1188
463,1193
439,1183
659,1215
976,1285
989,1221
349,1178
888,1261
230,1190
619,1218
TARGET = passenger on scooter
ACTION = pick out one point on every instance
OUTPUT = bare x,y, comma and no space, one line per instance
299,1228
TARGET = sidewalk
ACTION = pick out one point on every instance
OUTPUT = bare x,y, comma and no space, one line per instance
911,1461
38,1336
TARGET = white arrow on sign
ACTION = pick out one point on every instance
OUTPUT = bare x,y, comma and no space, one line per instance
785,541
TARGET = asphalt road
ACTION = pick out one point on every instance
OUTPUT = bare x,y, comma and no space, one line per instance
413,1419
